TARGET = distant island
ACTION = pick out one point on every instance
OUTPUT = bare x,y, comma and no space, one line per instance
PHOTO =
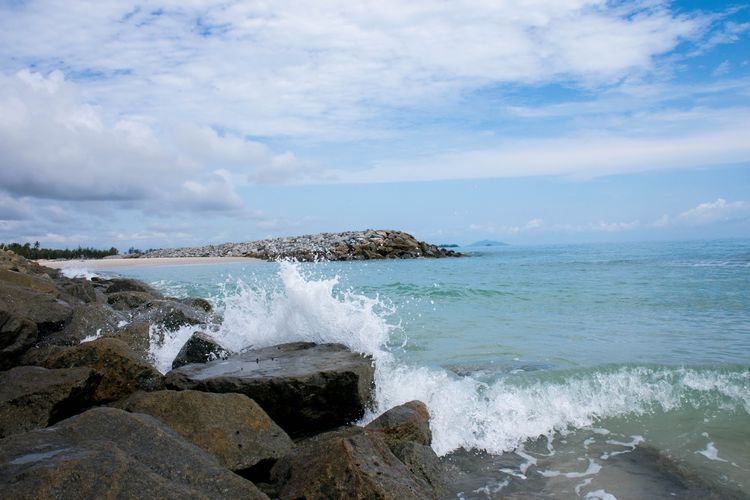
448,245
488,243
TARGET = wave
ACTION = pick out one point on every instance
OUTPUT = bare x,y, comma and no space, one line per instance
465,412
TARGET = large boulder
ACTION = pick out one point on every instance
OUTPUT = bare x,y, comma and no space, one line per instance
88,321
130,285
306,388
137,336
33,397
199,348
45,309
110,453
406,431
122,370
407,422
80,288
349,463
17,335
232,427
125,301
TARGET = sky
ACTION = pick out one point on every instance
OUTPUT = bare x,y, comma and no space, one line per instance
178,123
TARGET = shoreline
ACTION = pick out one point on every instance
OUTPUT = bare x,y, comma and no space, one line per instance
120,263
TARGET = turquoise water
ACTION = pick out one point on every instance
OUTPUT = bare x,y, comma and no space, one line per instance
563,357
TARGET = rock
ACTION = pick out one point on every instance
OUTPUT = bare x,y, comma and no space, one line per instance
110,453
125,301
350,463
306,388
87,321
170,315
407,422
79,288
130,285
199,303
122,371
39,355
17,335
136,336
406,431
38,283
232,427
49,313
32,397
349,245
200,348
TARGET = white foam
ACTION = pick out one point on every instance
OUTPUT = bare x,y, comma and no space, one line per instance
77,269
582,485
591,470
711,453
599,495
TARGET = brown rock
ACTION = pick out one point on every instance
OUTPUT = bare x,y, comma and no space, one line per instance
232,427
136,336
407,422
32,397
48,312
108,453
350,463
122,371
87,321
130,285
125,301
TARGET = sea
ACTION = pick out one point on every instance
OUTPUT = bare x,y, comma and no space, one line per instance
595,371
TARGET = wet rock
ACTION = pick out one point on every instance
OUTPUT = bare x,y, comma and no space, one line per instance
37,282
136,336
125,301
88,321
17,335
39,355
122,370
349,463
170,315
407,422
32,397
406,431
199,303
200,348
110,453
232,427
130,285
306,388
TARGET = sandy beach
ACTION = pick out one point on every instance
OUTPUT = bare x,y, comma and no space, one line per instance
95,264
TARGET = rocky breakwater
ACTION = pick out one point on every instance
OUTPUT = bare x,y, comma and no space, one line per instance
85,414
350,245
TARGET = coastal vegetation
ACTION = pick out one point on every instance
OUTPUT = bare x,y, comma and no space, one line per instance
35,251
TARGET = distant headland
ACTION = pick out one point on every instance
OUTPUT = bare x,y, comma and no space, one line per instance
369,244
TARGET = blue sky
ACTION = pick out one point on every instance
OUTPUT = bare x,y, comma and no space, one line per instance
179,123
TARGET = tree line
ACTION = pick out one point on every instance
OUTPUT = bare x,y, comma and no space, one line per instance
35,251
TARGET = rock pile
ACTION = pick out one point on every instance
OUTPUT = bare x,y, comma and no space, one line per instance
85,414
350,245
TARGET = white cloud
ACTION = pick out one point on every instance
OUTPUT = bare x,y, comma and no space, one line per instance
291,68
714,211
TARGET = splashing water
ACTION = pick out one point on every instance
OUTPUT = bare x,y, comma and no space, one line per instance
465,412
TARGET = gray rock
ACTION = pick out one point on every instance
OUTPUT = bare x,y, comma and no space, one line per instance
110,453
122,371
306,388
348,463
32,397
87,321
17,335
232,427
49,313
200,348
79,288
135,335
127,300
130,285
